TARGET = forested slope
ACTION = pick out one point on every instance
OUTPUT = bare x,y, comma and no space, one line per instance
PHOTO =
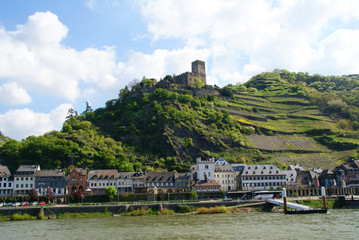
278,117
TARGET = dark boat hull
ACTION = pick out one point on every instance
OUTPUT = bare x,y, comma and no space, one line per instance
311,211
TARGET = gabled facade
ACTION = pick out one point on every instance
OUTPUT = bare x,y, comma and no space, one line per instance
290,178
139,182
125,182
348,174
6,182
99,180
309,178
225,176
162,182
77,180
182,182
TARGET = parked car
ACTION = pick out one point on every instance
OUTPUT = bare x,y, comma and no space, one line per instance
33,203
9,204
41,203
24,204
17,204
1,204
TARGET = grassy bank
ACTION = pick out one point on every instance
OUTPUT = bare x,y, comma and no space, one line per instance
84,215
316,204
143,211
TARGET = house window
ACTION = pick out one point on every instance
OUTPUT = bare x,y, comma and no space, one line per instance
206,166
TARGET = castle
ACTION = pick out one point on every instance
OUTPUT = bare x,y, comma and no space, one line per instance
188,78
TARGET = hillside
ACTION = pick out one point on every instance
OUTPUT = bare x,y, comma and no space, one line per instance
279,117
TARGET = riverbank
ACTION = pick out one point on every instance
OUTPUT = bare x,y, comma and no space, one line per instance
97,211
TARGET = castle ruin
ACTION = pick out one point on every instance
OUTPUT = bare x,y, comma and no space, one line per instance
188,78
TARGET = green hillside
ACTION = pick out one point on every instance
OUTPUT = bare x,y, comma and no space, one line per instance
278,117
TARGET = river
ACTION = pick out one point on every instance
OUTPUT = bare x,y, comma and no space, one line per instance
337,224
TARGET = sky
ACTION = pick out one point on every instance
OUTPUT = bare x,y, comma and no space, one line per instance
60,54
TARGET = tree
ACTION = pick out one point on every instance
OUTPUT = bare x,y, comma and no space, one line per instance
193,194
50,195
111,192
33,194
71,113
226,91
79,195
197,83
88,108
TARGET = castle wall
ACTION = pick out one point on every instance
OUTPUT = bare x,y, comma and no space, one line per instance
187,78
183,78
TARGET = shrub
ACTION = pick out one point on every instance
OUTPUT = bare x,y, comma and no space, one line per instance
185,208
212,210
19,217
165,211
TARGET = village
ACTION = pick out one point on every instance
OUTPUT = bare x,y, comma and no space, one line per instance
209,178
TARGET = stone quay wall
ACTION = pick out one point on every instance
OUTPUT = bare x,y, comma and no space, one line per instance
54,210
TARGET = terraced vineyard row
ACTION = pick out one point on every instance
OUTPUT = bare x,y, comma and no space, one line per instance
286,143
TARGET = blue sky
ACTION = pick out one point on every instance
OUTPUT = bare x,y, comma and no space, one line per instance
58,54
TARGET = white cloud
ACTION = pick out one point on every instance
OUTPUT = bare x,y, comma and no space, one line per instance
338,52
12,94
160,63
21,123
34,57
257,34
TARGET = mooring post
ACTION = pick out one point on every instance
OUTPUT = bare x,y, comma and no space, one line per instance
284,195
323,198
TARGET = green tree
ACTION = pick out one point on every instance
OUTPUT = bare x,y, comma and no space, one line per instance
111,192
193,194
198,83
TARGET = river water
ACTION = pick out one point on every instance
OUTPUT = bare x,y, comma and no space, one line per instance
337,224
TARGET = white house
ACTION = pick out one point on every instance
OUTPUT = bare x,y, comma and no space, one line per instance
224,175
205,169
99,180
260,177
24,179
290,178
6,182
124,182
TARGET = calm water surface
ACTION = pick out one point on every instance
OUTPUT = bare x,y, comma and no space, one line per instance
338,224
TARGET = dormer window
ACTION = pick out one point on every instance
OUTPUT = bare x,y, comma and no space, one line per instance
256,168
262,172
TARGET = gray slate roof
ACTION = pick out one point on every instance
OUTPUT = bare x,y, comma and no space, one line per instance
4,171
50,173
264,169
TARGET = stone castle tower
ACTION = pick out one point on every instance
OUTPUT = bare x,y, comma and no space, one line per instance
188,78
199,70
